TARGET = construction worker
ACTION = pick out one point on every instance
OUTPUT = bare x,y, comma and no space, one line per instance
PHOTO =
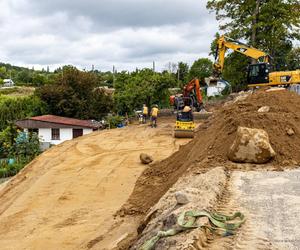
154,114
187,113
145,113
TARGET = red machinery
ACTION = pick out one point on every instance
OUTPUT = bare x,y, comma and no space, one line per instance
191,91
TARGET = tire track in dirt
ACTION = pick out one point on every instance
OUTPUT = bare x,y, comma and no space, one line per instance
246,237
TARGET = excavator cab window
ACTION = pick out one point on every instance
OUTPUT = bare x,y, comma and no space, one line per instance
258,73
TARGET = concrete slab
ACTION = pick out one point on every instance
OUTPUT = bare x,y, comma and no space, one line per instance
273,202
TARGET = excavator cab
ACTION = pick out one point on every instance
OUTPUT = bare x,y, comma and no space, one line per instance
258,73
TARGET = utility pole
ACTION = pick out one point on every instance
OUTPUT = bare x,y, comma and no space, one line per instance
153,66
178,74
113,74
93,67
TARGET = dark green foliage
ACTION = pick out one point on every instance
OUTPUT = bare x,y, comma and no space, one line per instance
200,69
20,147
114,121
293,59
25,76
11,170
12,109
74,94
182,73
235,71
268,25
143,86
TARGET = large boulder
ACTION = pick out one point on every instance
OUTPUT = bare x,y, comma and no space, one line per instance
251,146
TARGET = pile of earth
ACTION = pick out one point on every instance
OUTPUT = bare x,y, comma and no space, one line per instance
214,138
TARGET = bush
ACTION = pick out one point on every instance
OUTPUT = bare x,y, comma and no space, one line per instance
114,121
74,94
14,108
12,169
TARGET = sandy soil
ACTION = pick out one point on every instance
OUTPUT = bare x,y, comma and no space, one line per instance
73,190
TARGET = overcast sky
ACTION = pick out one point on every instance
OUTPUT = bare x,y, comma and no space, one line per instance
124,33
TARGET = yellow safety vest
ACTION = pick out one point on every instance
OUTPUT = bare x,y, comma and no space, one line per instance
154,112
145,111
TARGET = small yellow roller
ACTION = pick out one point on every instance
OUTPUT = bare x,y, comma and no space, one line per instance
184,129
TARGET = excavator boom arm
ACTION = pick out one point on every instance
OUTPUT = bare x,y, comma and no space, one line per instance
225,43
193,85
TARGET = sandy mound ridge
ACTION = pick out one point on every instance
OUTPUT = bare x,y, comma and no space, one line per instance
214,138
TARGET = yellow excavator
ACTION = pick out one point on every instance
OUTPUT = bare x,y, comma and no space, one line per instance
259,74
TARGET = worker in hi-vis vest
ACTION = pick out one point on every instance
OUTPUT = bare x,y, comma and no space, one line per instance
154,114
145,113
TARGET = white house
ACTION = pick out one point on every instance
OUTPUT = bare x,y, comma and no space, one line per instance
56,129
216,88
8,83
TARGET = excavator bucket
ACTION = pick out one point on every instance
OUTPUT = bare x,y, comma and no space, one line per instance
184,133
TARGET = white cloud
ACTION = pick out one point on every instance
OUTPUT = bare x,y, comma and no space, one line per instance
125,33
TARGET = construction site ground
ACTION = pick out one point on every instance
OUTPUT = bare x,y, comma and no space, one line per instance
71,192
93,192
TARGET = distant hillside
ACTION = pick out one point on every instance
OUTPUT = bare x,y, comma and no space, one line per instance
24,76
32,77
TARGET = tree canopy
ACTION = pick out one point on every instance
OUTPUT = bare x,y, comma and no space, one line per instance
269,25
142,87
201,68
75,94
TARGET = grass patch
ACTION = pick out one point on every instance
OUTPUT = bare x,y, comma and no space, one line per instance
11,169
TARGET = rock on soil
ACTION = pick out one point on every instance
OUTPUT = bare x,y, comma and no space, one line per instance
181,198
146,159
251,146
290,131
263,109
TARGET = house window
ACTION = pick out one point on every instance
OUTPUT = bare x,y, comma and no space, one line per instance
55,134
77,132
33,130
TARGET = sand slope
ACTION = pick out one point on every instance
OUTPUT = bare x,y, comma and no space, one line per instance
72,191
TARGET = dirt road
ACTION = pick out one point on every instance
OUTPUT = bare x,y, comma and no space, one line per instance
73,190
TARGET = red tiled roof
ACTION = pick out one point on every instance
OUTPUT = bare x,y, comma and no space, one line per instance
65,121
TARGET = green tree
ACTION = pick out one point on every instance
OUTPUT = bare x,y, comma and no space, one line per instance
142,86
24,76
12,109
26,146
74,94
293,59
39,79
3,72
201,68
182,72
235,71
7,141
268,25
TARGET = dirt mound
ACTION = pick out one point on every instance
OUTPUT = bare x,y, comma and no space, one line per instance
217,135
66,198
214,138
